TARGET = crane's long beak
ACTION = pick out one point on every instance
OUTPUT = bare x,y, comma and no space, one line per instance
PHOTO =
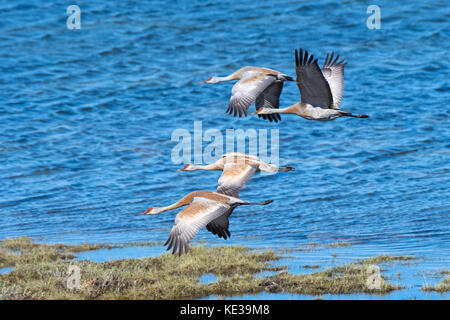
146,212
179,170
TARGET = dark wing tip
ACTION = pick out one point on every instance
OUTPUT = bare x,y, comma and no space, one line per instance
342,62
271,117
325,64
178,245
332,60
303,57
180,250
169,242
175,245
335,60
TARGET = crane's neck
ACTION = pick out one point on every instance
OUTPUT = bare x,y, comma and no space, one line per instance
179,203
212,166
227,78
187,199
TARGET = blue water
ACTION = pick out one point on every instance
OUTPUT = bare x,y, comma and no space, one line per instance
86,118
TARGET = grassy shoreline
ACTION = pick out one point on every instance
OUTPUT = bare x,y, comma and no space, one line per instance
41,271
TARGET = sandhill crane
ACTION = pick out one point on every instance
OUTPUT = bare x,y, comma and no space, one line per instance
320,90
260,85
238,169
204,207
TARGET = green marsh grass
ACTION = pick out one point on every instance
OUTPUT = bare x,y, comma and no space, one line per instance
40,271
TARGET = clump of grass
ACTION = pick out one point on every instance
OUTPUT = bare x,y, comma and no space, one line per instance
7,258
32,253
14,292
314,245
351,278
441,287
309,247
386,259
41,272
22,250
339,244
307,266
285,250
163,277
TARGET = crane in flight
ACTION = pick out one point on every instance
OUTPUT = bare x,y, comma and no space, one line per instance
237,169
262,86
321,90
203,209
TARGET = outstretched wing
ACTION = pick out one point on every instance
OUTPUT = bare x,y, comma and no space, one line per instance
234,177
191,219
239,157
270,98
313,86
333,72
246,90
220,225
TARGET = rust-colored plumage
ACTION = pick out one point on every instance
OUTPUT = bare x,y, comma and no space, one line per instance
261,86
237,169
203,208
213,209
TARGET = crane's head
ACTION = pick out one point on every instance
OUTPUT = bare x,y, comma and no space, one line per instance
211,80
188,167
150,211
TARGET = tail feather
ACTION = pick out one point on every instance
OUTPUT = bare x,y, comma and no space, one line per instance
284,169
348,114
262,203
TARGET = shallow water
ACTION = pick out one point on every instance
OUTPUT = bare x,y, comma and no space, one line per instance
6,270
103,255
86,119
